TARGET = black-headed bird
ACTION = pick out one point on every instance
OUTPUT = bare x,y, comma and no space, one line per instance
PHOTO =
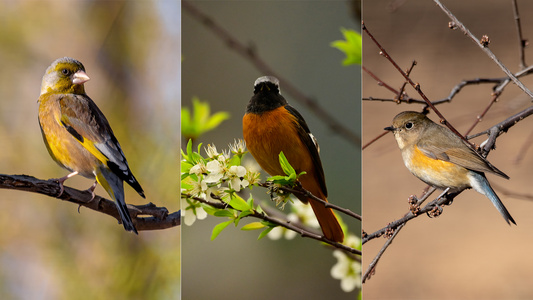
271,126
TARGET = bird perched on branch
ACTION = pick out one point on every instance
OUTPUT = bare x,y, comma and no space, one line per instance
271,126
440,158
78,136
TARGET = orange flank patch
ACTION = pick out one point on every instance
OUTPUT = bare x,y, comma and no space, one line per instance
436,172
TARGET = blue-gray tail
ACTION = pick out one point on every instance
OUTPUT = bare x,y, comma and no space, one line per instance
482,186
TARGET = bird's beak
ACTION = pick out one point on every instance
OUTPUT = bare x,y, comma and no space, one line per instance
390,128
80,77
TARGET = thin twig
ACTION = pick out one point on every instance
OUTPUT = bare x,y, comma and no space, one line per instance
303,232
493,100
523,42
372,265
416,86
299,190
399,96
276,213
434,207
485,49
380,82
410,215
375,139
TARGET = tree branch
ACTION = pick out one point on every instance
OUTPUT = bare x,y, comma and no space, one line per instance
483,47
250,53
523,42
434,208
299,190
284,223
159,216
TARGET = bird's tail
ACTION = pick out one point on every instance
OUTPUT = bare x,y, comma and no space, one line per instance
482,185
114,186
327,220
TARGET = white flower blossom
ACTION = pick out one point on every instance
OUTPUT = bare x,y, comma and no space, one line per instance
238,147
215,171
189,217
211,151
224,156
347,270
278,232
305,214
197,188
235,173
198,169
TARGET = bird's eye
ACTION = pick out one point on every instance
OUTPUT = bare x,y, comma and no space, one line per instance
409,125
65,72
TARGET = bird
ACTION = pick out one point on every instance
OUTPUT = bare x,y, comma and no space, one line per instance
78,136
440,158
270,126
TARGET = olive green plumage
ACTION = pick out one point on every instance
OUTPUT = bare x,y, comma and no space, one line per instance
78,136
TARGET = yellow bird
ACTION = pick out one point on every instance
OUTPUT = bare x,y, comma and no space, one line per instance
78,136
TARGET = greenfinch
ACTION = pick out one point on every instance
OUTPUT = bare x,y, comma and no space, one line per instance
78,136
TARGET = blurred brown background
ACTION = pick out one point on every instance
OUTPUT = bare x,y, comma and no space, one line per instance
469,252
293,37
131,51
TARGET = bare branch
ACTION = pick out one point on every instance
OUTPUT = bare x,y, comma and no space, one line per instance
523,42
484,47
416,86
159,216
250,53
372,266
434,208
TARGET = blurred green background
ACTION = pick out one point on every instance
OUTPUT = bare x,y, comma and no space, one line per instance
293,37
131,51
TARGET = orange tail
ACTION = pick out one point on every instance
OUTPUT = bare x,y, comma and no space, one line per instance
328,221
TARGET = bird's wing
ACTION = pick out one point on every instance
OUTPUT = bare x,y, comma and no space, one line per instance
453,149
312,145
83,119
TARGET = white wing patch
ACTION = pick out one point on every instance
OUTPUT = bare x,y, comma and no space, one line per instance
114,155
315,142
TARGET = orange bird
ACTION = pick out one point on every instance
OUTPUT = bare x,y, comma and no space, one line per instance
270,126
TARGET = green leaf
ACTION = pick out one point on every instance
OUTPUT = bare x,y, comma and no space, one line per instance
209,209
259,209
253,226
269,224
264,232
186,186
239,203
200,120
215,120
186,125
191,157
218,228
243,214
351,46
224,213
234,161
186,167
285,165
